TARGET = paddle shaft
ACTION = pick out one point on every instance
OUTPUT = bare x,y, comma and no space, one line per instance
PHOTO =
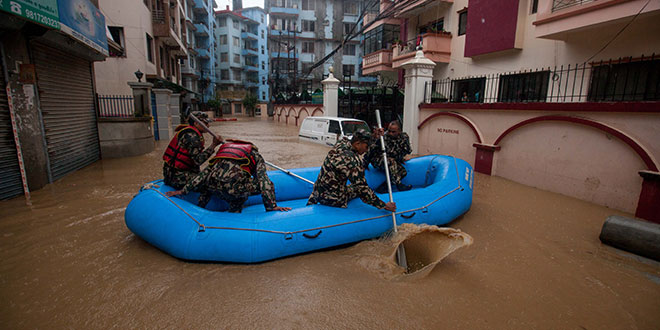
208,130
400,251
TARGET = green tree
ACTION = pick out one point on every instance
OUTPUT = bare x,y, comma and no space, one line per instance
250,103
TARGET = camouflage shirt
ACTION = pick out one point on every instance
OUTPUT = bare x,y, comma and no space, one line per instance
396,147
231,183
342,164
192,142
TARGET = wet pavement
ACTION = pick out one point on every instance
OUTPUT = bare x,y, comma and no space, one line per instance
68,261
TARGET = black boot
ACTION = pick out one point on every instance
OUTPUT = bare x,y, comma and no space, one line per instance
382,188
403,187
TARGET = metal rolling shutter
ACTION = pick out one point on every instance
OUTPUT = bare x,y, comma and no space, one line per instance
66,99
10,173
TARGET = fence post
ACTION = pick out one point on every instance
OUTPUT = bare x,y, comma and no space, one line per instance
330,95
419,72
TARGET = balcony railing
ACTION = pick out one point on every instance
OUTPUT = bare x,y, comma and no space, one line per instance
622,80
436,47
158,16
561,4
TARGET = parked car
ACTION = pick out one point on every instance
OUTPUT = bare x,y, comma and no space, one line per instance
328,130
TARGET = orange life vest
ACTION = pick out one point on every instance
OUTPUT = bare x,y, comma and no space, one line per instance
237,150
179,157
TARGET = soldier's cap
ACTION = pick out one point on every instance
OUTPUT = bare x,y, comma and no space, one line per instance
361,135
202,116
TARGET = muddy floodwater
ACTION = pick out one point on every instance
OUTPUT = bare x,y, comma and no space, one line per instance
68,261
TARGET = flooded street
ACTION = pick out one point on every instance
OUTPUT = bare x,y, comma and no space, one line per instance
68,261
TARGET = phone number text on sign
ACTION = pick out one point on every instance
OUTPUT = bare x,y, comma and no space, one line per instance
41,19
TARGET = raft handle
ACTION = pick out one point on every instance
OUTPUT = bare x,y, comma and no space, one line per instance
408,216
288,236
202,228
313,236
425,210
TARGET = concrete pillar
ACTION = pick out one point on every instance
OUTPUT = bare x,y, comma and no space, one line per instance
419,71
330,95
163,119
175,109
141,98
264,111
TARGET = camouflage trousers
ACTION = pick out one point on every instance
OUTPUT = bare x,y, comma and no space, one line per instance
234,192
176,178
397,171
352,191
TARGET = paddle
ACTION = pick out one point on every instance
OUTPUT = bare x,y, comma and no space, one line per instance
400,251
208,130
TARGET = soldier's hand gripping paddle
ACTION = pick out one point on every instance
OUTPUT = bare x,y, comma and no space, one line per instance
208,130
400,251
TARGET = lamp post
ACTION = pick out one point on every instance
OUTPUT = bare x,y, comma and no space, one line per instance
138,75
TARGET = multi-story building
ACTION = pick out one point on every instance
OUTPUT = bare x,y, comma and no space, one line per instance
303,32
241,57
205,47
469,40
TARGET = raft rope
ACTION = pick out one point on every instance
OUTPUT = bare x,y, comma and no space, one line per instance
202,227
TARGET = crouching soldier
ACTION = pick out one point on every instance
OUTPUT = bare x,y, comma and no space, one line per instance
397,146
234,173
186,152
341,164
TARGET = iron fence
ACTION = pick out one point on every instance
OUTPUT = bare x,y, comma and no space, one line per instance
625,79
561,4
115,106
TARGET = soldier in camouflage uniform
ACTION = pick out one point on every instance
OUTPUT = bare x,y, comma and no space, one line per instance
397,146
186,152
236,172
344,163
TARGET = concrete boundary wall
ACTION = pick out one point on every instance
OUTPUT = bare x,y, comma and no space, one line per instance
293,114
607,155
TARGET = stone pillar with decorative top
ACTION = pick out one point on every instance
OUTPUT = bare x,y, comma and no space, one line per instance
330,95
419,72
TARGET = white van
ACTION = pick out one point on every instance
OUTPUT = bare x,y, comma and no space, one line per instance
328,130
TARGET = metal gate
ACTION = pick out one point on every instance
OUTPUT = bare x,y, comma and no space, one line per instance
66,97
10,173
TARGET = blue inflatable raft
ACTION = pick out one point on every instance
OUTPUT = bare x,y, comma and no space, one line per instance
442,191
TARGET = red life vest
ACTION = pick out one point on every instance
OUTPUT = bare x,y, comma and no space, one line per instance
179,157
237,150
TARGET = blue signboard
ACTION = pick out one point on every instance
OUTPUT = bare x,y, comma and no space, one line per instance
84,22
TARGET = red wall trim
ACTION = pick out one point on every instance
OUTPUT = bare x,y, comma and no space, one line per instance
646,158
652,107
455,115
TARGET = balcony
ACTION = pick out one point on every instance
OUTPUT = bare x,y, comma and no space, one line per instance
202,30
436,47
251,66
203,53
249,35
280,11
275,32
567,17
252,83
377,61
407,9
165,28
249,52
188,71
283,55
201,7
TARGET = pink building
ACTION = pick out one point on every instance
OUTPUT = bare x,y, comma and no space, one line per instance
562,95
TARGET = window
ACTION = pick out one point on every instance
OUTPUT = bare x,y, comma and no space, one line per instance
263,80
263,95
236,73
222,22
118,49
523,87
237,41
150,48
333,127
161,55
238,108
348,70
237,58
350,8
263,50
632,81
437,26
263,65
262,18
349,49
235,24
462,22
349,28
308,26
146,3
468,90
262,34
223,40
381,37
224,57
308,4
535,6
224,74
308,47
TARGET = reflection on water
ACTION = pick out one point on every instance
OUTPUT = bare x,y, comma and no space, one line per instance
69,261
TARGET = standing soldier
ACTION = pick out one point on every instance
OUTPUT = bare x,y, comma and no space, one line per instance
397,146
186,153
236,172
343,163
